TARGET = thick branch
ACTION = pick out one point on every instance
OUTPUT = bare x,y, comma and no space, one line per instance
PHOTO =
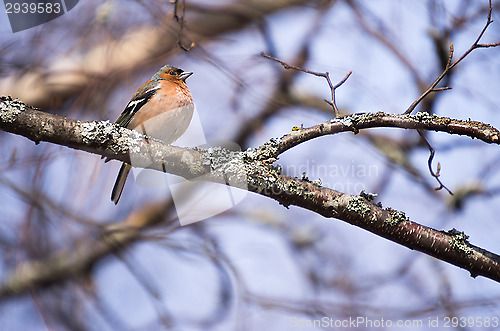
356,122
220,165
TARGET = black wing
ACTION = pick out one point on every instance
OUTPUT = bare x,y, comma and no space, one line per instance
133,107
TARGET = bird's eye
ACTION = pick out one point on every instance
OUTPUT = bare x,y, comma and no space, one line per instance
172,73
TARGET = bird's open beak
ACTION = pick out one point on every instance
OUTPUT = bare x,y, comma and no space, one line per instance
185,75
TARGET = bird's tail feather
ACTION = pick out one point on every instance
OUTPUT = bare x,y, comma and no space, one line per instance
120,182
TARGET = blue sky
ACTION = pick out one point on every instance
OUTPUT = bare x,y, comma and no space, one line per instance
256,241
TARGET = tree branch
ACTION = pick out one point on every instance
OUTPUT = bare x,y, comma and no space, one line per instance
360,121
79,261
325,75
223,166
450,65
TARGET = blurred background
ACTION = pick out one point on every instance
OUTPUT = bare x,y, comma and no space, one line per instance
72,260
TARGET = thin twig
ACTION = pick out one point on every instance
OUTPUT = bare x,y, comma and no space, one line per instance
429,163
442,88
451,65
180,20
333,103
433,88
325,75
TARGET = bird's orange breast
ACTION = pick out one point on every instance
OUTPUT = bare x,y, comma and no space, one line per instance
167,114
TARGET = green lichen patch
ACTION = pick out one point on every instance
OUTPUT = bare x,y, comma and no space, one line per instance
423,117
459,241
10,109
358,205
268,151
368,196
395,217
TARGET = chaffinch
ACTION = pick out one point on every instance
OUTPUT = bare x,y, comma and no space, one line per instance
162,108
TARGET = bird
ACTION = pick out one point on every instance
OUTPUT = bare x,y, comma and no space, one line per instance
161,108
